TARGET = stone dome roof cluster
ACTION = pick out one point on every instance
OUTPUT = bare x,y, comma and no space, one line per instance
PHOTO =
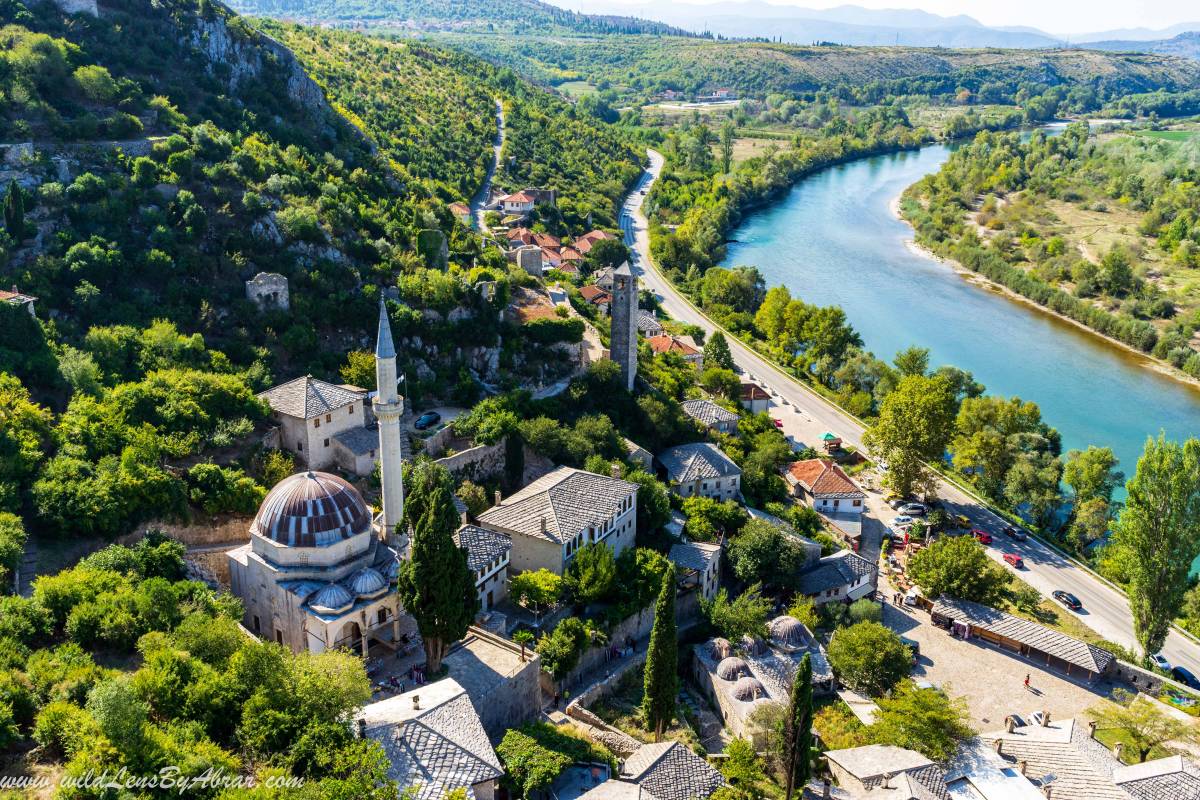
748,689
789,632
311,509
732,668
332,598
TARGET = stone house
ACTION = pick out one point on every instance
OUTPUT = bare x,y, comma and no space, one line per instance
754,398
325,424
519,204
648,324
825,486
711,416
665,343
15,298
551,518
844,576
269,291
488,555
594,295
699,566
701,469
671,771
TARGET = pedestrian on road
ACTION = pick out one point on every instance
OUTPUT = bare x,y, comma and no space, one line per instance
1026,680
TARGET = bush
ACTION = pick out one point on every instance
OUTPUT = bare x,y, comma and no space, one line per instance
223,490
63,728
549,331
866,610
869,657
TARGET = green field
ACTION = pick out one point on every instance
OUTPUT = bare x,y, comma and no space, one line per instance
576,88
1170,136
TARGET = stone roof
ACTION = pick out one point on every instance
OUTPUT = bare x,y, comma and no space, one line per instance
614,790
670,771
1081,654
1063,755
482,546
698,461
359,441
871,762
647,321
560,505
840,569
1170,778
440,746
707,413
823,478
671,344
307,397
694,555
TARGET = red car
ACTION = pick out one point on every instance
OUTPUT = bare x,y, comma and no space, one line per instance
1015,560
981,536
778,423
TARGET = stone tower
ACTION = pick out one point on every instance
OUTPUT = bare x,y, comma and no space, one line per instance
623,341
389,410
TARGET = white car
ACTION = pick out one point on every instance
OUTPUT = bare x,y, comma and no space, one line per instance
903,520
913,509
1160,661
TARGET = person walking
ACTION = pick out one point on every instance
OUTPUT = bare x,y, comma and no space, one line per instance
1026,680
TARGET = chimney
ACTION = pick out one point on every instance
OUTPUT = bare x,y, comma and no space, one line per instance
416,702
616,469
999,745
1118,749
1022,765
826,789
496,500
1092,729
887,780
1046,718
362,728
463,518
1009,723
1048,790
542,525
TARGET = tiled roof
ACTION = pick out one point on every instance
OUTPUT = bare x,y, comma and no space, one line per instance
15,297
568,500
670,344
1039,637
871,762
519,197
707,413
840,569
824,478
646,321
482,546
670,771
440,747
584,243
1063,755
1170,778
752,391
571,254
359,441
307,397
699,461
520,234
694,555
594,294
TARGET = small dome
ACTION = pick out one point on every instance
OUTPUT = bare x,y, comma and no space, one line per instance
731,668
389,569
366,582
789,632
720,648
752,645
331,599
748,689
311,509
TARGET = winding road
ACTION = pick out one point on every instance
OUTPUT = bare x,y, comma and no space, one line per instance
480,198
806,414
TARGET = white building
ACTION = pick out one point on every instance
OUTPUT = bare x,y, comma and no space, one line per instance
824,486
701,469
551,518
488,554
519,204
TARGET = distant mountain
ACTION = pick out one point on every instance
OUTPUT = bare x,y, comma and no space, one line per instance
1186,45
1139,34
507,15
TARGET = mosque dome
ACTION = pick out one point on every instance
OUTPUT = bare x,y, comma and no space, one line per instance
732,668
331,599
367,583
748,689
789,632
311,509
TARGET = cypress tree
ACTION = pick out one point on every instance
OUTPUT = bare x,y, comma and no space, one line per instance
798,729
14,211
717,353
435,584
661,681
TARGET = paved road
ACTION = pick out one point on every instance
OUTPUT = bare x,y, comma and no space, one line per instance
1105,609
477,210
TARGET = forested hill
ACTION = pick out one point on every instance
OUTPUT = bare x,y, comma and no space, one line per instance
521,16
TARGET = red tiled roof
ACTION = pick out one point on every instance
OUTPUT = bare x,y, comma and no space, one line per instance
752,391
15,295
519,197
546,240
523,235
459,208
571,254
595,295
584,243
823,478
669,344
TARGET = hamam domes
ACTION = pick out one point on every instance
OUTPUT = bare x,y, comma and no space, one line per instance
319,571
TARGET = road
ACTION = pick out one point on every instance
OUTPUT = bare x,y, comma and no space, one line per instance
477,210
806,414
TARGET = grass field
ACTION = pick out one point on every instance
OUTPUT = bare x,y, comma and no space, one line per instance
1170,136
576,88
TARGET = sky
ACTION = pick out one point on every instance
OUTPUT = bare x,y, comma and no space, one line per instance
1054,16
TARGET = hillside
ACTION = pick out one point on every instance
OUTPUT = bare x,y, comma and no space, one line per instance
520,16
647,66
1185,45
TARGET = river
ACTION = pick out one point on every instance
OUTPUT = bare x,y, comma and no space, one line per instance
833,240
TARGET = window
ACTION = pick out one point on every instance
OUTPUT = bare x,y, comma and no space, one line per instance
329,417
317,422
352,409
278,636
857,503
256,623
327,443
836,502
302,558
300,447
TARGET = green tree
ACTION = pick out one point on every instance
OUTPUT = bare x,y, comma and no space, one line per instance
1140,723
914,426
662,657
536,589
912,361
717,353
528,766
959,567
435,584
745,615
1092,474
653,502
12,546
764,553
1159,532
925,720
1033,483
591,573
523,638
869,657
798,741
728,132
14,211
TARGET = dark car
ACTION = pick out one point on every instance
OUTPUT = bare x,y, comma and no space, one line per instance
427,420
1015,533
1185,676
913,646
1067,599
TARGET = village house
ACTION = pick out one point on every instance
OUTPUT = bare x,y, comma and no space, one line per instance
824,486
844,576
16,298
325,424
595,296
636,454
434,742
670,771
518,205
648,324
551,518
461,212
701,469
698,565
674,344
585,242
711,416
754,398
603,278
487,557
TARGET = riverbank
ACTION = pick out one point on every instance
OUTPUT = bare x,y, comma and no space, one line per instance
1144,359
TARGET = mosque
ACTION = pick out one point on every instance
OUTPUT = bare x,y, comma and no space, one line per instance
319,571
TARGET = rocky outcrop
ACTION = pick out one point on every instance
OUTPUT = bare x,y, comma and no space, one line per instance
78,7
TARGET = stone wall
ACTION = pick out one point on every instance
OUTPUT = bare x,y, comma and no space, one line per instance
232,530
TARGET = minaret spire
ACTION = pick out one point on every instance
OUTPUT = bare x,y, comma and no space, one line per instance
389,410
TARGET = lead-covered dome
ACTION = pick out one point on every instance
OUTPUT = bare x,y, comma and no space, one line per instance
331,599
732,668
311,509
789,632
748,689
367,583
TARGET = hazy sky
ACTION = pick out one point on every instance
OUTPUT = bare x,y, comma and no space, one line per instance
1055,16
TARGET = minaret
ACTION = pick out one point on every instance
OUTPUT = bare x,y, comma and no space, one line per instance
389,409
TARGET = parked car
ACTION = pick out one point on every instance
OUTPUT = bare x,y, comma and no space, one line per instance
1160,662
1185,676
913,509
1015,533
1015,560
778,422
1067,599
961,520
913,646
895,501
427,420
981,536
903,519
